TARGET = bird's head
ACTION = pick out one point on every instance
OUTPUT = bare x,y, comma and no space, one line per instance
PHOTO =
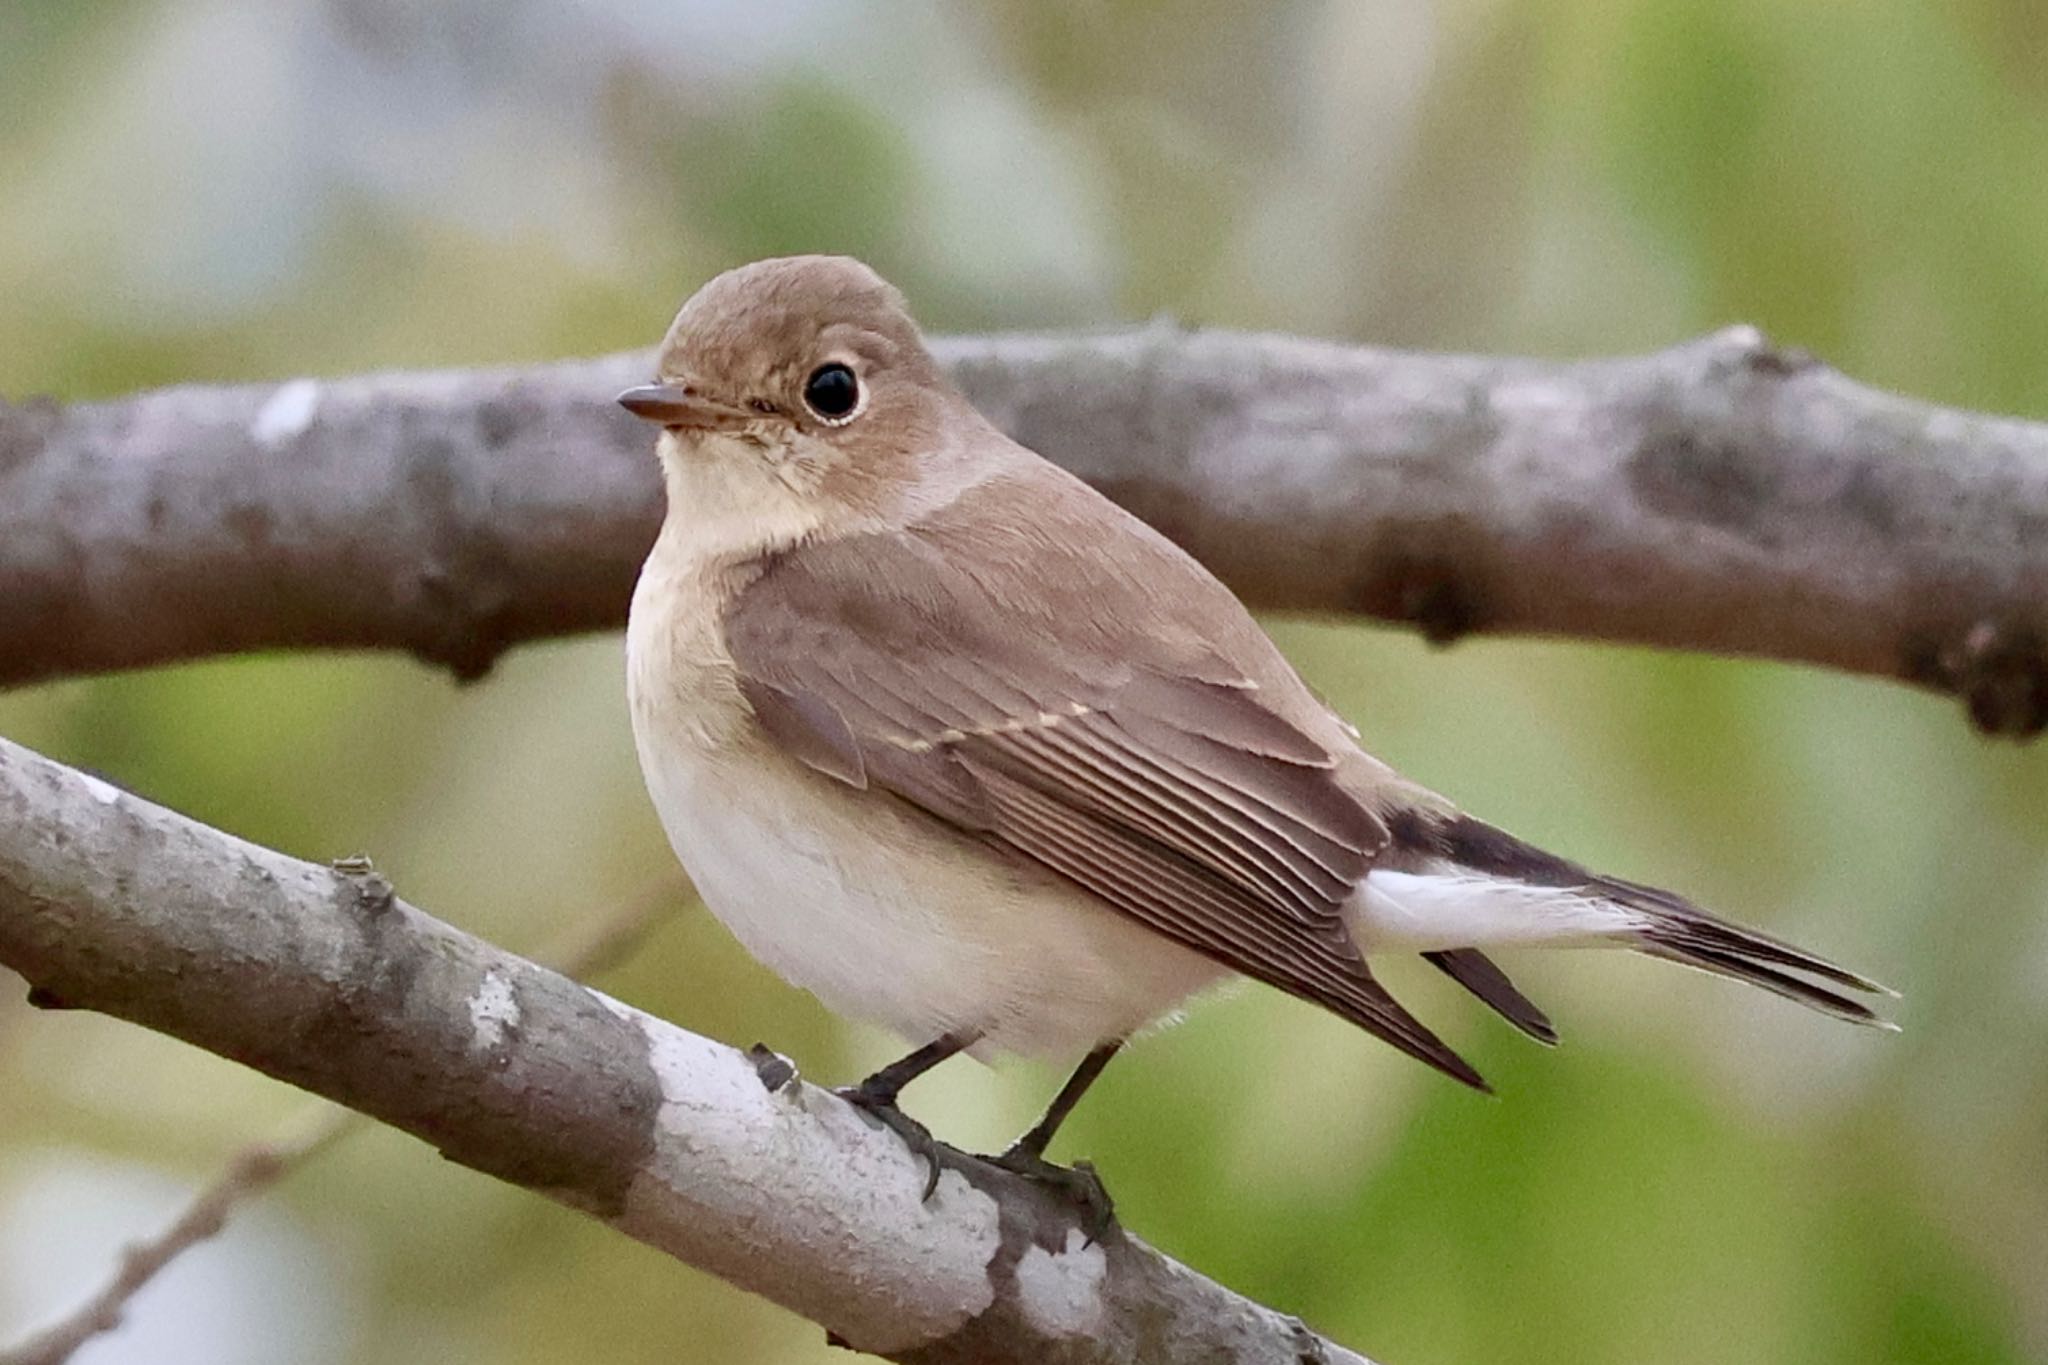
804,369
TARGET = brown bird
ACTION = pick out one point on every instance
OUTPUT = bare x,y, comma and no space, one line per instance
952,741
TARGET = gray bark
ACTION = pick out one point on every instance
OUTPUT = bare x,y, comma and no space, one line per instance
1724,495
323,977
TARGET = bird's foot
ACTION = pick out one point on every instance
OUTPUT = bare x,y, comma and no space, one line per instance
1078,1184
881,1107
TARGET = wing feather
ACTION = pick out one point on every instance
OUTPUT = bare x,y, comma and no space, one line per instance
1112,790
1212,821
1333,865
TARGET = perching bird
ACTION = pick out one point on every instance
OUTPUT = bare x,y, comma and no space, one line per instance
952,741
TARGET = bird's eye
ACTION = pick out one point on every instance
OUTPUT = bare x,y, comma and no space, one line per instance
832,393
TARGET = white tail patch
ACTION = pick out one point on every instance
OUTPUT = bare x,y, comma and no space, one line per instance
1425,912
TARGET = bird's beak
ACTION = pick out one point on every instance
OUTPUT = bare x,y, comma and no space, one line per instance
674,405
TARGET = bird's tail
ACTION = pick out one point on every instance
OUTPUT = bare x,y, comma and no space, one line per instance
1679,931
1479,887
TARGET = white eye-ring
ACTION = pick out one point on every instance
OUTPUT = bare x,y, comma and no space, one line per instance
834,395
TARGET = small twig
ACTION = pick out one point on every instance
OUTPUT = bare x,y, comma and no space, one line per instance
247,1174
593,948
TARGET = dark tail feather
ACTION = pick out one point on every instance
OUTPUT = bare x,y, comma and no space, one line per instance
1675,929
1688,925
1476,972
1725,949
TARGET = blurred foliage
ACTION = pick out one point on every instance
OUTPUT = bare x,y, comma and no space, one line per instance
203,191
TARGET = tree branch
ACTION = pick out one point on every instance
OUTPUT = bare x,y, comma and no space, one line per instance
1723,495
598,942
323,978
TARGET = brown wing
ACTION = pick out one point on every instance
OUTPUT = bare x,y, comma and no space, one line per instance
1138,763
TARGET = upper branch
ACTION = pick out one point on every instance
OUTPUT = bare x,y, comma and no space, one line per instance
323,978
1723,495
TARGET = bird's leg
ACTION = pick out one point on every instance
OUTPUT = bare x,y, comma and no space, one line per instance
877,1096
880,1090
1031,1146
1079,1183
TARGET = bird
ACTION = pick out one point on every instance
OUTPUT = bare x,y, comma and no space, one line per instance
951,740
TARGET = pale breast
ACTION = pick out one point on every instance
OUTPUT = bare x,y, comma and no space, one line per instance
680,679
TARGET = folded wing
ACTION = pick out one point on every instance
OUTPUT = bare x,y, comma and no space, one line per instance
1143,767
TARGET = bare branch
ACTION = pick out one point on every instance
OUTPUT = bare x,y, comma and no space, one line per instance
260,1165
323,978
1724,496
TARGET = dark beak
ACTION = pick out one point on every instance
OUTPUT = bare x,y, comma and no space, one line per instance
676,405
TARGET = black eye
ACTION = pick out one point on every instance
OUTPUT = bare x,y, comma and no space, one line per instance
832,392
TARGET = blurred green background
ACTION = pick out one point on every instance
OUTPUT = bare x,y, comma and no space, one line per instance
220,191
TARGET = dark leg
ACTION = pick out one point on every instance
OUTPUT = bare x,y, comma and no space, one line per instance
1034,1143
1026,1156
877,1096
881,1089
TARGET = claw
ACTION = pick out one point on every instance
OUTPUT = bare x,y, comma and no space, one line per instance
918,1138
1079,1184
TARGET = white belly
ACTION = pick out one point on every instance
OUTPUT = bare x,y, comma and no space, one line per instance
851,896
870,904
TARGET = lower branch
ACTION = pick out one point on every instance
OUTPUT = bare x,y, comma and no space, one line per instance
259,1165
322,977
1725,495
